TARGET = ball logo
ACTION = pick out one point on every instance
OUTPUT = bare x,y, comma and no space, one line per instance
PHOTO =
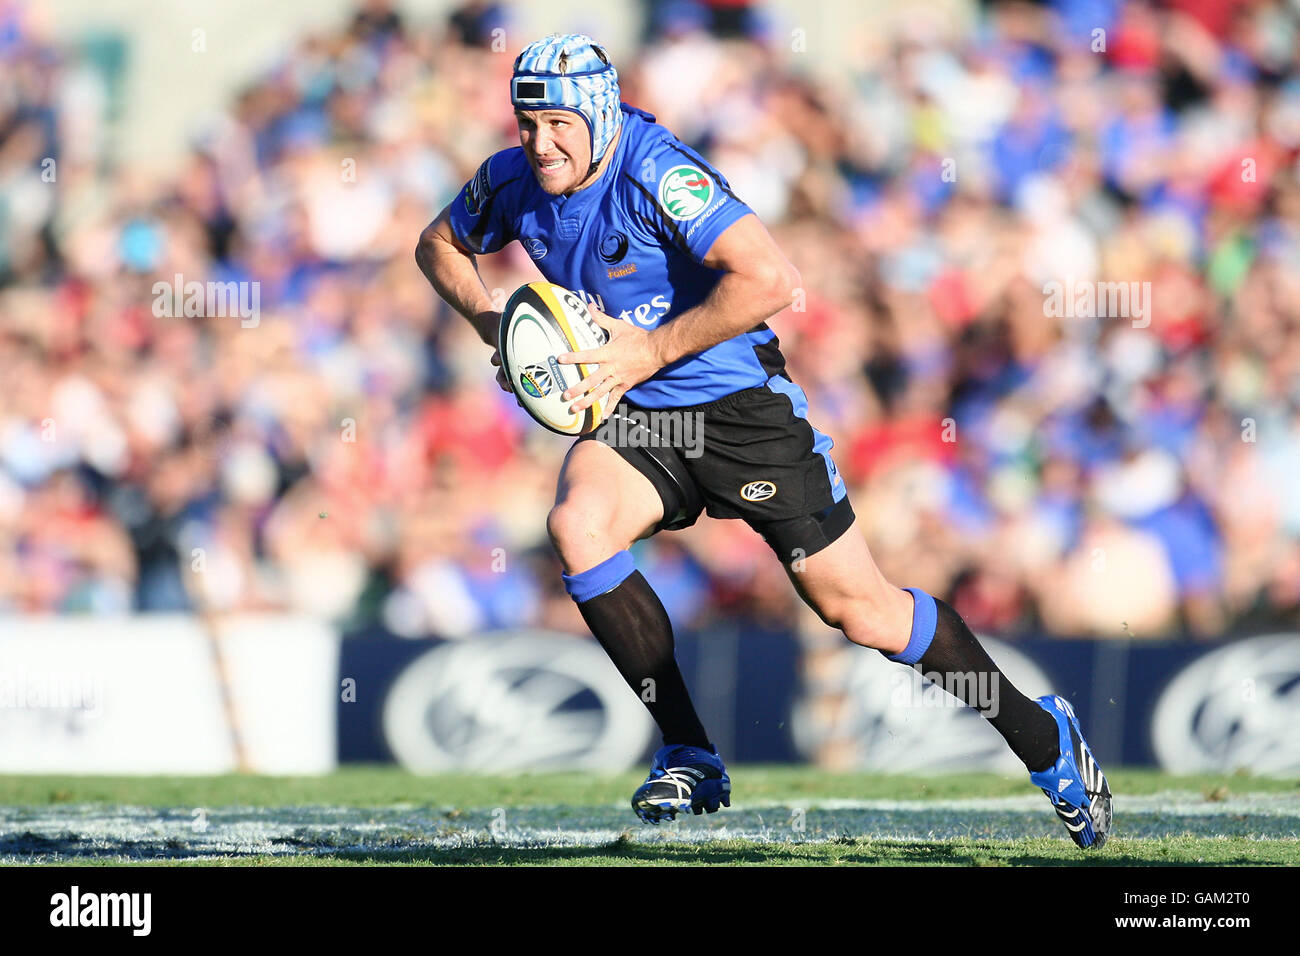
536,380
576,304
509,701
685,192
535,248
758,491
580,309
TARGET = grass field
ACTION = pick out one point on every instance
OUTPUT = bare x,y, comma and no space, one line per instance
780,815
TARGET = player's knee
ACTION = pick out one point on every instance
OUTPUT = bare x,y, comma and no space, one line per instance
578,527
864,621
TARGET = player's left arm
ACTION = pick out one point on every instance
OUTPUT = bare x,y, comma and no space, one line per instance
757,282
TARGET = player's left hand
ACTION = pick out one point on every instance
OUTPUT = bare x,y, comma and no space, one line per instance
626,360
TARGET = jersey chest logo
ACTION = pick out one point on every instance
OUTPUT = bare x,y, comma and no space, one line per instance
613,248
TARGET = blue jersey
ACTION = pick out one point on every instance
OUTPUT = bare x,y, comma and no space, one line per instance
632,243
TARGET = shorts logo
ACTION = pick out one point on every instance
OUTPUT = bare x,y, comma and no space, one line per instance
536,380
477,190
685,192
758,491
535,248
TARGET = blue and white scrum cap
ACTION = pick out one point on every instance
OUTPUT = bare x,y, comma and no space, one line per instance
570,71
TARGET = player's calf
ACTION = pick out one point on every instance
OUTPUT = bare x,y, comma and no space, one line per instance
880,622
845,587
600,510
841,583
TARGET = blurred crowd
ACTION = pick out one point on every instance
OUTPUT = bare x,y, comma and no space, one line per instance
346,451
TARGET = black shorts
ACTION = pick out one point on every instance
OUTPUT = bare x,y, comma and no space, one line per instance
750,455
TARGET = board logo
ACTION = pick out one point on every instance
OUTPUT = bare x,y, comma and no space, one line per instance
514,700
895,718
758,491
536,380
1234,707
535,248
685,192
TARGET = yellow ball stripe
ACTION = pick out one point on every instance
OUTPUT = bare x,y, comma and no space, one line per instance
547,291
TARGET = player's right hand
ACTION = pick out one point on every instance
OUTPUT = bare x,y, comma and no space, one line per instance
502,382
501,377
501,372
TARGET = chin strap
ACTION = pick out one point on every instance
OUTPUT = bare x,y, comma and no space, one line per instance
591,170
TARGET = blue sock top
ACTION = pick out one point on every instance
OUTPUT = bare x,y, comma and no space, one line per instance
605,576
925,617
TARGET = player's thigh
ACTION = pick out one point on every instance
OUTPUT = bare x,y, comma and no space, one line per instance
602,505
764,462
842,583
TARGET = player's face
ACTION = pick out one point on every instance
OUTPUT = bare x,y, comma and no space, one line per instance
557,145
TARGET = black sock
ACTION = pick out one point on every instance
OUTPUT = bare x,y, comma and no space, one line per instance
970,675
632,626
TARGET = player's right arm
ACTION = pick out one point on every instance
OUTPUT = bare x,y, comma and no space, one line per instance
452,270
479,220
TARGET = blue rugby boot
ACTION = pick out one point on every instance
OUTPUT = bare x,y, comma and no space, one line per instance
1075,784
682,778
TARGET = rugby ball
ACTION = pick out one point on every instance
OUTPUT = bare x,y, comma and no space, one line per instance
541,321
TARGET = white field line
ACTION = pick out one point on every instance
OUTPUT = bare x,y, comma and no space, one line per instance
51,834
1180,802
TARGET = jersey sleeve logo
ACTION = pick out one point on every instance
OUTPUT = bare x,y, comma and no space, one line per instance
685,192
477,190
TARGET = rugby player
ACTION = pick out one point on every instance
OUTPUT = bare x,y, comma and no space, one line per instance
683,275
